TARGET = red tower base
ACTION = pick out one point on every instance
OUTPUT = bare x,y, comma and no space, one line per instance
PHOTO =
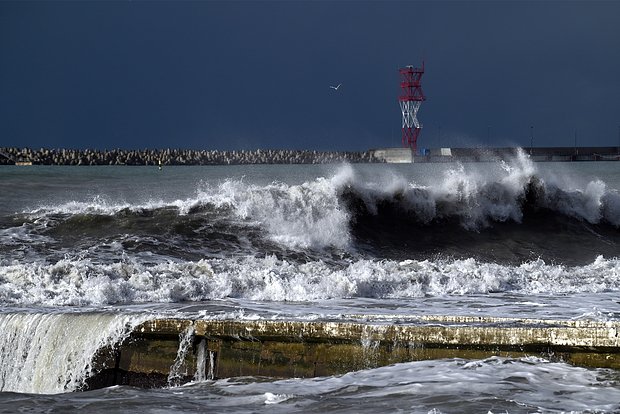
410,138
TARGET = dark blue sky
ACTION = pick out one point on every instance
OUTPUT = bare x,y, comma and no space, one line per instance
246,75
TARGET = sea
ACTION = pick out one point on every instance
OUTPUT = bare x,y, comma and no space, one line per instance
88,252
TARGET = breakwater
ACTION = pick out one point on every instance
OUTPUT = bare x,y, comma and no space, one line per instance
43,156
164,352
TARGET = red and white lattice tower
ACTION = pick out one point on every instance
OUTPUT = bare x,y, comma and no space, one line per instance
410,102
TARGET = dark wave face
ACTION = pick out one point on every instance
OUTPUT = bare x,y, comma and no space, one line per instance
536,222
203,231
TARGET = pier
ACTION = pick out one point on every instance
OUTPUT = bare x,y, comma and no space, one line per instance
491,154
165,352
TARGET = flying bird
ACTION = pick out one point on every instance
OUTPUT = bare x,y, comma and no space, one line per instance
335,87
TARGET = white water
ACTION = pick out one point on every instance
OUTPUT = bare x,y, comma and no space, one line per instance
494,385
201,362
179,369
52,352
85,283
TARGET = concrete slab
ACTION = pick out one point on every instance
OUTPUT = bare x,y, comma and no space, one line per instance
154,354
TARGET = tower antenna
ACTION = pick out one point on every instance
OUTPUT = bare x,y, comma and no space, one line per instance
410,102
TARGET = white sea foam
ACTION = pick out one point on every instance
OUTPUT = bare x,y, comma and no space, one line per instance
300,216
21,235
82,282
271,398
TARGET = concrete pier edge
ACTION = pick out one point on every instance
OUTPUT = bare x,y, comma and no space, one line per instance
298,349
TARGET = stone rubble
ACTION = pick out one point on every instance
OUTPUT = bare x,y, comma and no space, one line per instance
43,156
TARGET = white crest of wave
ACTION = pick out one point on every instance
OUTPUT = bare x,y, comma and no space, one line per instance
82,282
474,196
52,353
476,199
482,193
592,204
98,205
297,216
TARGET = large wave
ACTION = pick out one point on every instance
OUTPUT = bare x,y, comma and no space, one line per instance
510,216
461,232
476,201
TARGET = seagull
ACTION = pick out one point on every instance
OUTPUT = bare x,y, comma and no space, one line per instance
335,87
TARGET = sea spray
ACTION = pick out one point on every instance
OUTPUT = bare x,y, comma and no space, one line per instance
299,216
478,198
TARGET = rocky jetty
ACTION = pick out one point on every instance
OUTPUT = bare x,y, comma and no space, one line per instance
43,156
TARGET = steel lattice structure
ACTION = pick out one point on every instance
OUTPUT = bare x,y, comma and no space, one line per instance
410,102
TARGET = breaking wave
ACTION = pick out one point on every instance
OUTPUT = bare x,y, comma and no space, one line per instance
511,216
81,282
460,232
475,202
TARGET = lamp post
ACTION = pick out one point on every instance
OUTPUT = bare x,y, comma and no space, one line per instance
531,140
576,152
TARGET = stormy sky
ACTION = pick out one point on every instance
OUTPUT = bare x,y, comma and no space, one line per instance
247,75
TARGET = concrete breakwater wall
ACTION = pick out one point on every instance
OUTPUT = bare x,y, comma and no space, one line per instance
489,154
10,156
539,154
174,351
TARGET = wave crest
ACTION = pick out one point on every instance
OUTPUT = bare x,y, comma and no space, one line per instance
475,200
352,212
